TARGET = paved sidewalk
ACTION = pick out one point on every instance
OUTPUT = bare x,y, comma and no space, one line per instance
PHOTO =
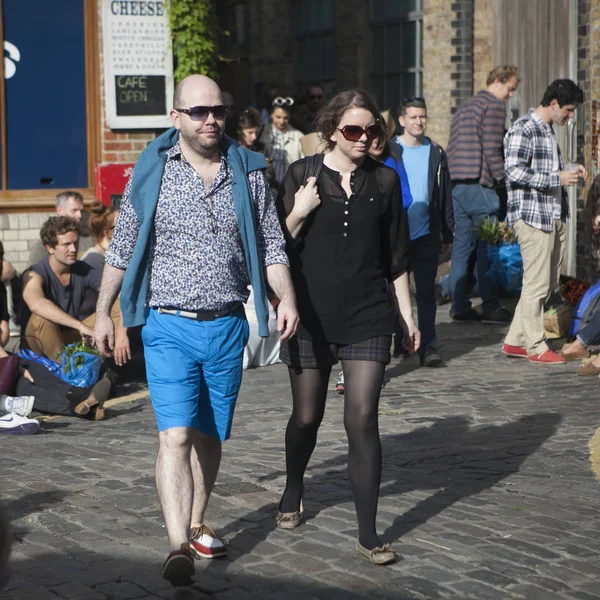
487,492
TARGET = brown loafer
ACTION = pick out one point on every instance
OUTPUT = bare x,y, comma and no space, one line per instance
383,555
588,369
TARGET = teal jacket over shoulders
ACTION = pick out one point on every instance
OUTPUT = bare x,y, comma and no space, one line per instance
145,188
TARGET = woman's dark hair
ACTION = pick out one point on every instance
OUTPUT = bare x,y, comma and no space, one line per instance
248,119
56,226
286,107
101,219
332,114
564,91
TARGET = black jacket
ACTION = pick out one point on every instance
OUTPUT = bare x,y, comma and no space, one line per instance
441,209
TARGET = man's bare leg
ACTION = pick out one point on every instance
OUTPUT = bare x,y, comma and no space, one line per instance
174,482
205,458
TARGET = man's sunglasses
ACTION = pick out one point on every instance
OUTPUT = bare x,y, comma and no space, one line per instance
353,133
200,113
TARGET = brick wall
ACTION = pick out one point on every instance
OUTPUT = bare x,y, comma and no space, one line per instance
19,233
438,17
483,31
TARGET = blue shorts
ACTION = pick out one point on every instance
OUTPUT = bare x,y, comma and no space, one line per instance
194,370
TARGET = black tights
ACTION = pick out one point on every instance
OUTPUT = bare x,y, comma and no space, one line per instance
362,382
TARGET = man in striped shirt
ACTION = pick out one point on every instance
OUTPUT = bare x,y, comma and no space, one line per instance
538,210
476,166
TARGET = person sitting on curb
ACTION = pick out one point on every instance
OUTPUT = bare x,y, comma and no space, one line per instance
68,204
55,292
589,335
14,411
101,224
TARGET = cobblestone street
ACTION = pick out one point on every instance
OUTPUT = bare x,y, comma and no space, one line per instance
487,492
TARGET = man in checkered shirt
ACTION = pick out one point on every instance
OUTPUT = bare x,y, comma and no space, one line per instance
538,211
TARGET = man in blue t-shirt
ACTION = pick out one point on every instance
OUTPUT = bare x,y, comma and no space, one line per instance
430,216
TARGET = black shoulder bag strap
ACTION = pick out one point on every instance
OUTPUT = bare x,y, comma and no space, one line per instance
312,167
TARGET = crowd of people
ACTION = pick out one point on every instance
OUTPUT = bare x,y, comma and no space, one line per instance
331,237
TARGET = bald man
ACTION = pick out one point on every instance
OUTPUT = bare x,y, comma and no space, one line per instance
197,225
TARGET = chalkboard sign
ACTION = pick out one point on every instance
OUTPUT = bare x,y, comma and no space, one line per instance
140,95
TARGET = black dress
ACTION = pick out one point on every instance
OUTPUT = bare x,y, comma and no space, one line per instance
348,247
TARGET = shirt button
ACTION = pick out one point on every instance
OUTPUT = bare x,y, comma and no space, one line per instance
345,235
346,202
345,224
345,212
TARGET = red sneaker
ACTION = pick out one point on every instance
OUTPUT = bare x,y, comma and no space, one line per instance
204,542
547,358
516,351
179,567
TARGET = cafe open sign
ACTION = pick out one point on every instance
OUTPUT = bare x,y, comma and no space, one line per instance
140,95
138,64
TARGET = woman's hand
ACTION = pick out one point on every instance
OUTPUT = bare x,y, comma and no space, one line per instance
122,351
412,336
306,199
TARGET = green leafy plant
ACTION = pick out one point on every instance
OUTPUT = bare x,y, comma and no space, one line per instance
78,361
193,25
495,232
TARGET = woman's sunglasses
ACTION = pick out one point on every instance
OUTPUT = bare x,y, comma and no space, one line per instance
200,113
353,133
281,101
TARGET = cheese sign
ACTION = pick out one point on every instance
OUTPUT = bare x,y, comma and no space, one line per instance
138,64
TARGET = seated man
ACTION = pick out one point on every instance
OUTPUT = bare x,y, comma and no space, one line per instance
56,292
68,204
587,336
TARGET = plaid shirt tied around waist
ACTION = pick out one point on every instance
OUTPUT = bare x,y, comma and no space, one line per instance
529,175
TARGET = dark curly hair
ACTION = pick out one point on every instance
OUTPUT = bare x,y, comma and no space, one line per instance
332,114
56,226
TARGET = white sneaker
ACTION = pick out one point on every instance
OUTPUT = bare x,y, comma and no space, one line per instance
12,424
339,386
17,405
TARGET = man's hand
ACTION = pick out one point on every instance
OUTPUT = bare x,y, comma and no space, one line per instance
445,248
306,198
122,351
568,178
412,336
86,332
104,335
287,319
582,172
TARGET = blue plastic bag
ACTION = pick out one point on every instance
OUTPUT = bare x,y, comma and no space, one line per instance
52,366
81,369
506,268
